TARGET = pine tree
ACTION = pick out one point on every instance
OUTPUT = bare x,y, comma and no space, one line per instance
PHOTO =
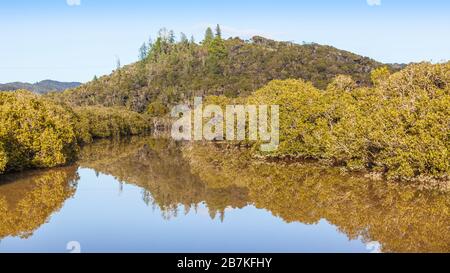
143,52
157,48
209,36
118,65
217,52
162,33
183,38
218,32
149,45
171,37
160,46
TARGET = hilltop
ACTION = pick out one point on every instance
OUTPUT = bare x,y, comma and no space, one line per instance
171,71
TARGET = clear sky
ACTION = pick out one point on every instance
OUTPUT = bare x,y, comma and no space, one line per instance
73,40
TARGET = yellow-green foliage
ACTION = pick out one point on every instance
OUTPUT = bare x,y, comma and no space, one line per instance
34,132
414,122
3,158
103,122
380,75
34,196
401,126
157,109
299,105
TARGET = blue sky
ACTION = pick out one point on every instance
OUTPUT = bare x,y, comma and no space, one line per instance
50,39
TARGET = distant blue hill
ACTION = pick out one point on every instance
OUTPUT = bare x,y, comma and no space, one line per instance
41,87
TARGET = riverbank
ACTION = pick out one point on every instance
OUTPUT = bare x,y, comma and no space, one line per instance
36,132
398,129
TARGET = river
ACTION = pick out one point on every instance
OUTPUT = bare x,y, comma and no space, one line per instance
155,195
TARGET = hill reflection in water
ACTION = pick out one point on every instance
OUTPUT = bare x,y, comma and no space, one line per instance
179,180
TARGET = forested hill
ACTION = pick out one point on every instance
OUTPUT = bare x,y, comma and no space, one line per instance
41,87
171,71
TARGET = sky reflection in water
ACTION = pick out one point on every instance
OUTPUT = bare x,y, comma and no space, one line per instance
169,201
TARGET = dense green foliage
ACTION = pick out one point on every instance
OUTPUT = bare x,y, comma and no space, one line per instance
102,122
176,71
400,127
34,132
37,132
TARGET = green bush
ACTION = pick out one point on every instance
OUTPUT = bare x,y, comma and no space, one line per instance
414,122
299,105
104,122
400,127
34,132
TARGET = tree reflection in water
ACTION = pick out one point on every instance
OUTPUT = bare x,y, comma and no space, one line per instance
402,218
27,200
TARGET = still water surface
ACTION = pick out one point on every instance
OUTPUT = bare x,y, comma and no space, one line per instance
148,195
